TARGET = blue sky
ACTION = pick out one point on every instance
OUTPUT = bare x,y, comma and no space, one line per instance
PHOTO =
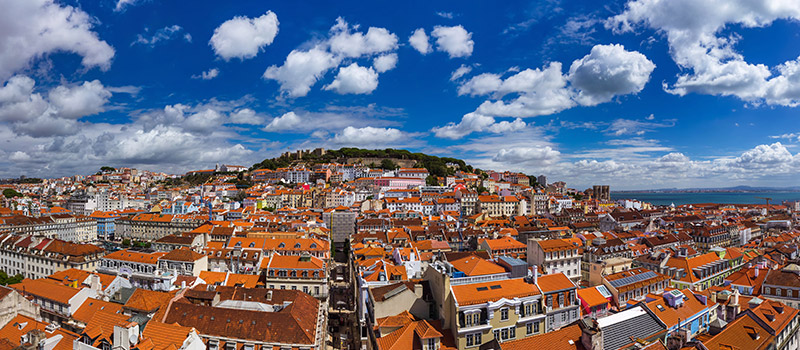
636,94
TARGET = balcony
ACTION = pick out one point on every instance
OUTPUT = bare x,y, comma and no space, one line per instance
475,328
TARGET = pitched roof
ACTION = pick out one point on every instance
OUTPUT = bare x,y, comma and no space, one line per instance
163,335
92,306
592,297
148,300
742,333
183,254
554,282
477,293
294,324
134,256
552,245
20,324
475,266
101,326
47,289
567,338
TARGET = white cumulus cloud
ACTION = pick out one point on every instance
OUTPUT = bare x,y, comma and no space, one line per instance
301,70
354,79
207,75
32,29
345,42
606,72
475,122
540,155
695,31
243,37
75,102
385,63
368,136
456,40
288,121
344,45
420,42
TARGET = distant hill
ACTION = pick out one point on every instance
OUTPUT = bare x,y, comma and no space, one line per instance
378,158
717,189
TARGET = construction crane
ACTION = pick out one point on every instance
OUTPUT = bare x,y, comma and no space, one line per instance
767,199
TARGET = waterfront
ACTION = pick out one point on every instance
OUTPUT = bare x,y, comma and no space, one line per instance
666,198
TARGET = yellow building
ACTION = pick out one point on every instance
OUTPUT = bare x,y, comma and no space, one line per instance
504,310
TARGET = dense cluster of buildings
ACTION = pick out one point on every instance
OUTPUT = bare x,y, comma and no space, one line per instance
346,256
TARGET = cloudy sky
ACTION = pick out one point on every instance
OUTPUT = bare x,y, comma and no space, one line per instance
636,94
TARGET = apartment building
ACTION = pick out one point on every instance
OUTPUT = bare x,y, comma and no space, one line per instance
504,310
62,226
57,303
555,256
140,268
559,300
631,286
503,246
494,205
150,227
249,319
37,257
305,273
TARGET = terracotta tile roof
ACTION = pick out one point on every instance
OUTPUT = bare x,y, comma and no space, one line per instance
68,277
292,262
743,333
476,266
213,277
183,254
669,315
410,336
567,338
164,336
148,300
471,294
19,325
551,245
47,289
503,243
134,256
774,314
294,324
398,320
4,291
239,280
101,326
592,297
554,282
92,306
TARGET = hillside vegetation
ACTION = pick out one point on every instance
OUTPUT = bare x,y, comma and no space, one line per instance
437,166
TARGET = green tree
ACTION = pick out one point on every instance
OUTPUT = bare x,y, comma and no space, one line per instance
126,242
107,169
432,180
388,164
10,193
6,280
